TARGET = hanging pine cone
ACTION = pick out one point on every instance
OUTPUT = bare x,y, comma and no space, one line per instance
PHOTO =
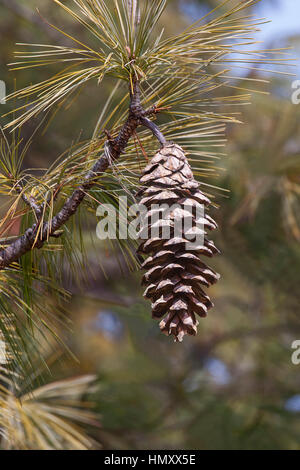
175,273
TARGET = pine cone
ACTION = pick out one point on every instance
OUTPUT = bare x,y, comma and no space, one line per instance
175,273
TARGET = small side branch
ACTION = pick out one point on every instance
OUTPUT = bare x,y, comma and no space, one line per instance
30,201
155,130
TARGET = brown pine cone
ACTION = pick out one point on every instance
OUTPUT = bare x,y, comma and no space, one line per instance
175,273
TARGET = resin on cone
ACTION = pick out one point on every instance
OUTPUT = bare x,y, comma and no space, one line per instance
175,273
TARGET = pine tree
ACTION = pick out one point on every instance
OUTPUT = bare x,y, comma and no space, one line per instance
170,89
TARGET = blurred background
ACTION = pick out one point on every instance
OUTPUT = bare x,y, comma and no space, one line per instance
233,386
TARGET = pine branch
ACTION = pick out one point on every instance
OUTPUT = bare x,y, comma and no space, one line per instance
155,130
30,201
35,237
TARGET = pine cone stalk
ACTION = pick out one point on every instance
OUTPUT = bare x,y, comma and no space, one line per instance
175,274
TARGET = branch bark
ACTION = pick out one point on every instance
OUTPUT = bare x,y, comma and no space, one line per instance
29,240
155,130
30,201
